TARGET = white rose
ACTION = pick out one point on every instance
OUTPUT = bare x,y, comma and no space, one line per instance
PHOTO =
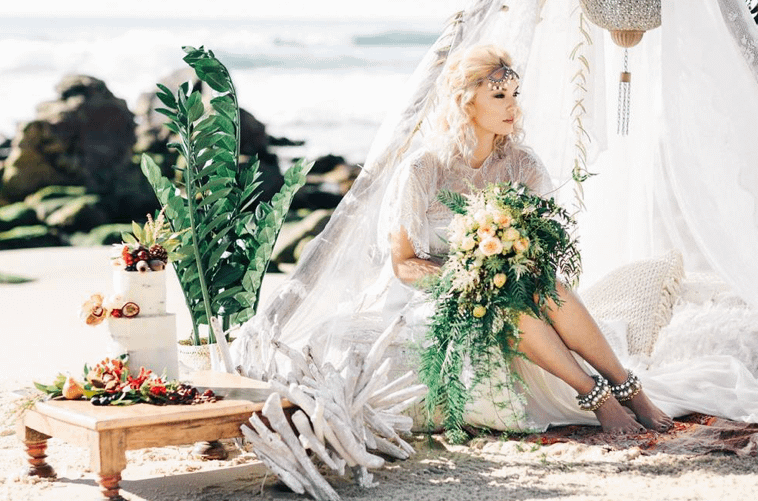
468,243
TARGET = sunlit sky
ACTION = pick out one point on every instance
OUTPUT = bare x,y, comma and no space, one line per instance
232,8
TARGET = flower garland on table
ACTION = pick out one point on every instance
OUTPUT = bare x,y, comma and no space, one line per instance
507,247
110,382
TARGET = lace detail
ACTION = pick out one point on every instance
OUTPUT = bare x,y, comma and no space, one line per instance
743,30
413,206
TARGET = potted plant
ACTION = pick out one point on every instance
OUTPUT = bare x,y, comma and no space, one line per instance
227,235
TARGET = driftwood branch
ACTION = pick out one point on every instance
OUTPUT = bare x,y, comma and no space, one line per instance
346,413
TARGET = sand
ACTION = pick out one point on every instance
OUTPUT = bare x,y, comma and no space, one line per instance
43,336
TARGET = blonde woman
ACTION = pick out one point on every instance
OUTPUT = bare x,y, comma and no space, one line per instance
477,142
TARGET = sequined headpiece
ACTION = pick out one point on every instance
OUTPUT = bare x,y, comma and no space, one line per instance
501,76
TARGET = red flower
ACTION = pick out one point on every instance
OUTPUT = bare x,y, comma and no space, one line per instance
158,390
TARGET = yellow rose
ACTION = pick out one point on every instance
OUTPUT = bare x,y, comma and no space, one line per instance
521,245
511,234
502,219
486,231
479,311
499,279
491,246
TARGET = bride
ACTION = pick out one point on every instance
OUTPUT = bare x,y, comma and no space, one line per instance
357,275
478,144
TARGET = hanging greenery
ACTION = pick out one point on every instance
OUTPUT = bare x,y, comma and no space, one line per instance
507,247
229,234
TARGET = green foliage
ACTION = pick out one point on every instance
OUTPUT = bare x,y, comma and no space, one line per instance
479,298
227,234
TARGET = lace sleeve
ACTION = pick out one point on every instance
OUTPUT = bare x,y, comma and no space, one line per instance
408,199
532,172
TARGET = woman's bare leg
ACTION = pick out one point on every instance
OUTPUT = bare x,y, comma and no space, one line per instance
580,333
542,345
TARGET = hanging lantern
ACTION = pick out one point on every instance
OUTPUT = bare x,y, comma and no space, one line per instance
627,20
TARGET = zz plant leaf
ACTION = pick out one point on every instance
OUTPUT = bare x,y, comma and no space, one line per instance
227,234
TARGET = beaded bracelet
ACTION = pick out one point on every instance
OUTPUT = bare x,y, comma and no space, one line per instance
596,397
628,389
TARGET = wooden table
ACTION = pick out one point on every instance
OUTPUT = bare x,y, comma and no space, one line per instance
109,431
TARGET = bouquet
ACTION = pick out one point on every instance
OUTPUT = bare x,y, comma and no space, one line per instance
507,248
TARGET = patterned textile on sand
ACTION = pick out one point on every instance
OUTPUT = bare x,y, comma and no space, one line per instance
694,434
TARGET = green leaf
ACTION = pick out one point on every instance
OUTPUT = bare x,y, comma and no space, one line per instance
214,197
228,275
169,113
226,108
195,108
128,238
215,256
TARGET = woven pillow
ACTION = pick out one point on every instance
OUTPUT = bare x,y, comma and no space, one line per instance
642,294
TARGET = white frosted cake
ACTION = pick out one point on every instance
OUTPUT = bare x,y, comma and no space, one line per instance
149,337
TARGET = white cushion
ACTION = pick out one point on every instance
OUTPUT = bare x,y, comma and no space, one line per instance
642,294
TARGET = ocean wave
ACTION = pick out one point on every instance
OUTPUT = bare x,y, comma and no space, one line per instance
397,38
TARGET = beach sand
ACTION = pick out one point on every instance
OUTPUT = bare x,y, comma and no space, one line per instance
44,336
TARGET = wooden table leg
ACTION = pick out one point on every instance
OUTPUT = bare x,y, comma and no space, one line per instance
108,459
36,445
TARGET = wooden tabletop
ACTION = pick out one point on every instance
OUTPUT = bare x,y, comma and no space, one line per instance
247,396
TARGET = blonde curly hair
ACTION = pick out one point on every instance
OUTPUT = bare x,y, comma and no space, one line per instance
466,71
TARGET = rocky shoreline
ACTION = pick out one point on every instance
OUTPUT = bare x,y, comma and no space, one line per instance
71,175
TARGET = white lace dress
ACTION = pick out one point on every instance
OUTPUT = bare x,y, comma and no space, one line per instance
692,386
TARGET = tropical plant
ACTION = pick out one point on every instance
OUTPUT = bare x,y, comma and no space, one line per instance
228,233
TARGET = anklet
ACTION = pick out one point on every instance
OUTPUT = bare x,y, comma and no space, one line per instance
597,397
628,389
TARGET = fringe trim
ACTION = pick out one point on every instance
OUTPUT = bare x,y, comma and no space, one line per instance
671,288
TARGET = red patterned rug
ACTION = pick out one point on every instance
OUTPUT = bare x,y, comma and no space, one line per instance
691,434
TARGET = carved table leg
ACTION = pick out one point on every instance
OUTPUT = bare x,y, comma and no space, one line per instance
108,459
36,445
110,488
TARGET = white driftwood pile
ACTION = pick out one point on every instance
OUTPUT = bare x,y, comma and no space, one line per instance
346,413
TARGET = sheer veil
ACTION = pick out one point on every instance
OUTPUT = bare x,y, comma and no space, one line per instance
684,177
344,269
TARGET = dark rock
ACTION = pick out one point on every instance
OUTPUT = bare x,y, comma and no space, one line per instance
313,197
17,214
78,214
5,149
326,184
84,138
293,233
324,164
106,234
29,236
283,141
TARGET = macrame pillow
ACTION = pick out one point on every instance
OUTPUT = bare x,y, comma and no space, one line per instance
642,294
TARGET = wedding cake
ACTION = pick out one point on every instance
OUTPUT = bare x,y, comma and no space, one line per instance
149,336
135,313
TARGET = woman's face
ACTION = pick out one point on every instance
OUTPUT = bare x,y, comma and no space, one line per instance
495,111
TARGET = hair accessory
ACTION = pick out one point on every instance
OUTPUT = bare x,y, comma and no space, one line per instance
597,396
503,74
628,389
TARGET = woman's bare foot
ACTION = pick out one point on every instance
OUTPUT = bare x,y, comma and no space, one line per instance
616,420
648,414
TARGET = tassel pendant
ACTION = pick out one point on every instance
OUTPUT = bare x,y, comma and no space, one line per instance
625,87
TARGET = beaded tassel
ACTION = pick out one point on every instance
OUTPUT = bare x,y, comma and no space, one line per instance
625,88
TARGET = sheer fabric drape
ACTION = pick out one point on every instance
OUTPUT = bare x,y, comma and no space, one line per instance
684,177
